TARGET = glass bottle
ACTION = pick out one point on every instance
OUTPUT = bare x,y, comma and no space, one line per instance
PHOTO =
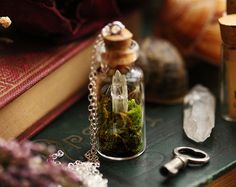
120,93
228,67
231,6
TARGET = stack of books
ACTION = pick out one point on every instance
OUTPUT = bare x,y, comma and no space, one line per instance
38,82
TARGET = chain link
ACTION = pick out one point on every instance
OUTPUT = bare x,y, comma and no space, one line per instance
91,155
110,29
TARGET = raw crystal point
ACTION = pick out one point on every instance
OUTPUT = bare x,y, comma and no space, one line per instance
199,113
119,93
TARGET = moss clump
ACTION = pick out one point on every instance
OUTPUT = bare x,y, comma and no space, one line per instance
135,113
120,134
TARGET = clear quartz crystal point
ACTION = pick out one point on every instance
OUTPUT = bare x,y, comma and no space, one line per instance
119,93
199,113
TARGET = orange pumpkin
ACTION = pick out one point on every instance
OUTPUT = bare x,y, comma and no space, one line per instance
192,25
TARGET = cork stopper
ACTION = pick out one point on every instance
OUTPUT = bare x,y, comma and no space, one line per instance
231,7
120,41
120,48
228,29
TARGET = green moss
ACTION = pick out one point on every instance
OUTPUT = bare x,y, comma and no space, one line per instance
135,113
120,134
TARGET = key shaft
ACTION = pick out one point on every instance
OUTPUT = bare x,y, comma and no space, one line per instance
173,166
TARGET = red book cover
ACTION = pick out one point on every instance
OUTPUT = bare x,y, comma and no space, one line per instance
22,66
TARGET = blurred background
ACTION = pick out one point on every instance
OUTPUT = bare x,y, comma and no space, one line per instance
189,26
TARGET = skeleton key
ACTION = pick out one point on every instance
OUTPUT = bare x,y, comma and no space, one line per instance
184,156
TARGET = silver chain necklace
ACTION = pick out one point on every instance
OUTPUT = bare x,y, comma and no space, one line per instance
91,155
88,170
110,29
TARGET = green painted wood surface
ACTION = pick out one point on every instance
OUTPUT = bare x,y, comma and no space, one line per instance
69,132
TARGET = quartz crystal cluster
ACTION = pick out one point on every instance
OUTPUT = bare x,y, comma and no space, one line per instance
199,113
119,93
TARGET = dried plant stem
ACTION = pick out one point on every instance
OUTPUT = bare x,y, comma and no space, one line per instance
5,22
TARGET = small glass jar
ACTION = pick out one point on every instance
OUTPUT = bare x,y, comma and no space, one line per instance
228,68
228,83
121,123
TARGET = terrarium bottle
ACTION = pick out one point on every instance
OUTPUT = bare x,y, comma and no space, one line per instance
120,93
228,67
